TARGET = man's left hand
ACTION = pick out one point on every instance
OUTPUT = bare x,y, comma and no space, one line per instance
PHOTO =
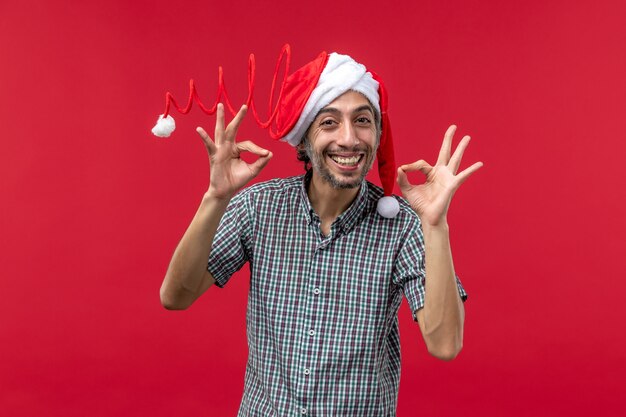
431,200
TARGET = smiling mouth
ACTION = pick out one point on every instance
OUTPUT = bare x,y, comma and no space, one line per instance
348,161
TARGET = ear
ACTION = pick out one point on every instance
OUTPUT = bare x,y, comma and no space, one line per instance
301,147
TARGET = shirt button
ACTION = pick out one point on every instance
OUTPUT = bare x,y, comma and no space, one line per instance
316,291
311,332
303,410
307,371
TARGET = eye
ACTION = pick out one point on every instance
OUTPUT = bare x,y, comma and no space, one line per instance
363,120
327,122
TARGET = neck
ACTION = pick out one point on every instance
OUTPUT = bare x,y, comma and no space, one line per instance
327,201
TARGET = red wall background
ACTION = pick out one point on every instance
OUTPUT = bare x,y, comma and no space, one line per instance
93,205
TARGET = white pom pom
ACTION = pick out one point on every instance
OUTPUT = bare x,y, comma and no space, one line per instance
388,207
164,127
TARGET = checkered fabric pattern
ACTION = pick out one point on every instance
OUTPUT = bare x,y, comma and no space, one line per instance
322,320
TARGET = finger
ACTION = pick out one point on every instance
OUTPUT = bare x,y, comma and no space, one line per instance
455,161
465,174
421,165
219,124
403,180
260,163
207,140
252,147
444,153
233,126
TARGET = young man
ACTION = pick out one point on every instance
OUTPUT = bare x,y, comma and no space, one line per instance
328,272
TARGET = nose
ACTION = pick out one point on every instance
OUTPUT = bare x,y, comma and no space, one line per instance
347,135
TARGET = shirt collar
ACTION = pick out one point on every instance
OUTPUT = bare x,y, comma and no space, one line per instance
346,220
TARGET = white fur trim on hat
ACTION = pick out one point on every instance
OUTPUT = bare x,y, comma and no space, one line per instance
341,74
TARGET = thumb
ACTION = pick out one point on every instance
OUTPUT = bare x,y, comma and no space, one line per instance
260,163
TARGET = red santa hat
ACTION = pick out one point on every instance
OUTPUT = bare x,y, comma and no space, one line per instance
302,95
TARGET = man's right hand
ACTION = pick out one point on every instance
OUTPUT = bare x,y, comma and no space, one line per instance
228,171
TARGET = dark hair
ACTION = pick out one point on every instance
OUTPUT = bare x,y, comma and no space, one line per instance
301,153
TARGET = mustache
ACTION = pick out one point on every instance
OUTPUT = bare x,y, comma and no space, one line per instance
353,149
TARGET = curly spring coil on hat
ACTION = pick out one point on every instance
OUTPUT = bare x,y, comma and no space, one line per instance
165,124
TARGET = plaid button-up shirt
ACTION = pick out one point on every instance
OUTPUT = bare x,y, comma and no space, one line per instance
322,321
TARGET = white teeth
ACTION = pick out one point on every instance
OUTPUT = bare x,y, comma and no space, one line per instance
346,161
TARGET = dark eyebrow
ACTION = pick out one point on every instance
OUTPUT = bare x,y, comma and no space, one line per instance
364,107
328,110
334,110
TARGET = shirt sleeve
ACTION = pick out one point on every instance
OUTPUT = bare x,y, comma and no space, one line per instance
411,270
231,244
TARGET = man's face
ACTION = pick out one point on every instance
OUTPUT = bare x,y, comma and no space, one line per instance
342,141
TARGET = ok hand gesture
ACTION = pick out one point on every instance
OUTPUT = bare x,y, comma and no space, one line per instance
431,200
229,172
